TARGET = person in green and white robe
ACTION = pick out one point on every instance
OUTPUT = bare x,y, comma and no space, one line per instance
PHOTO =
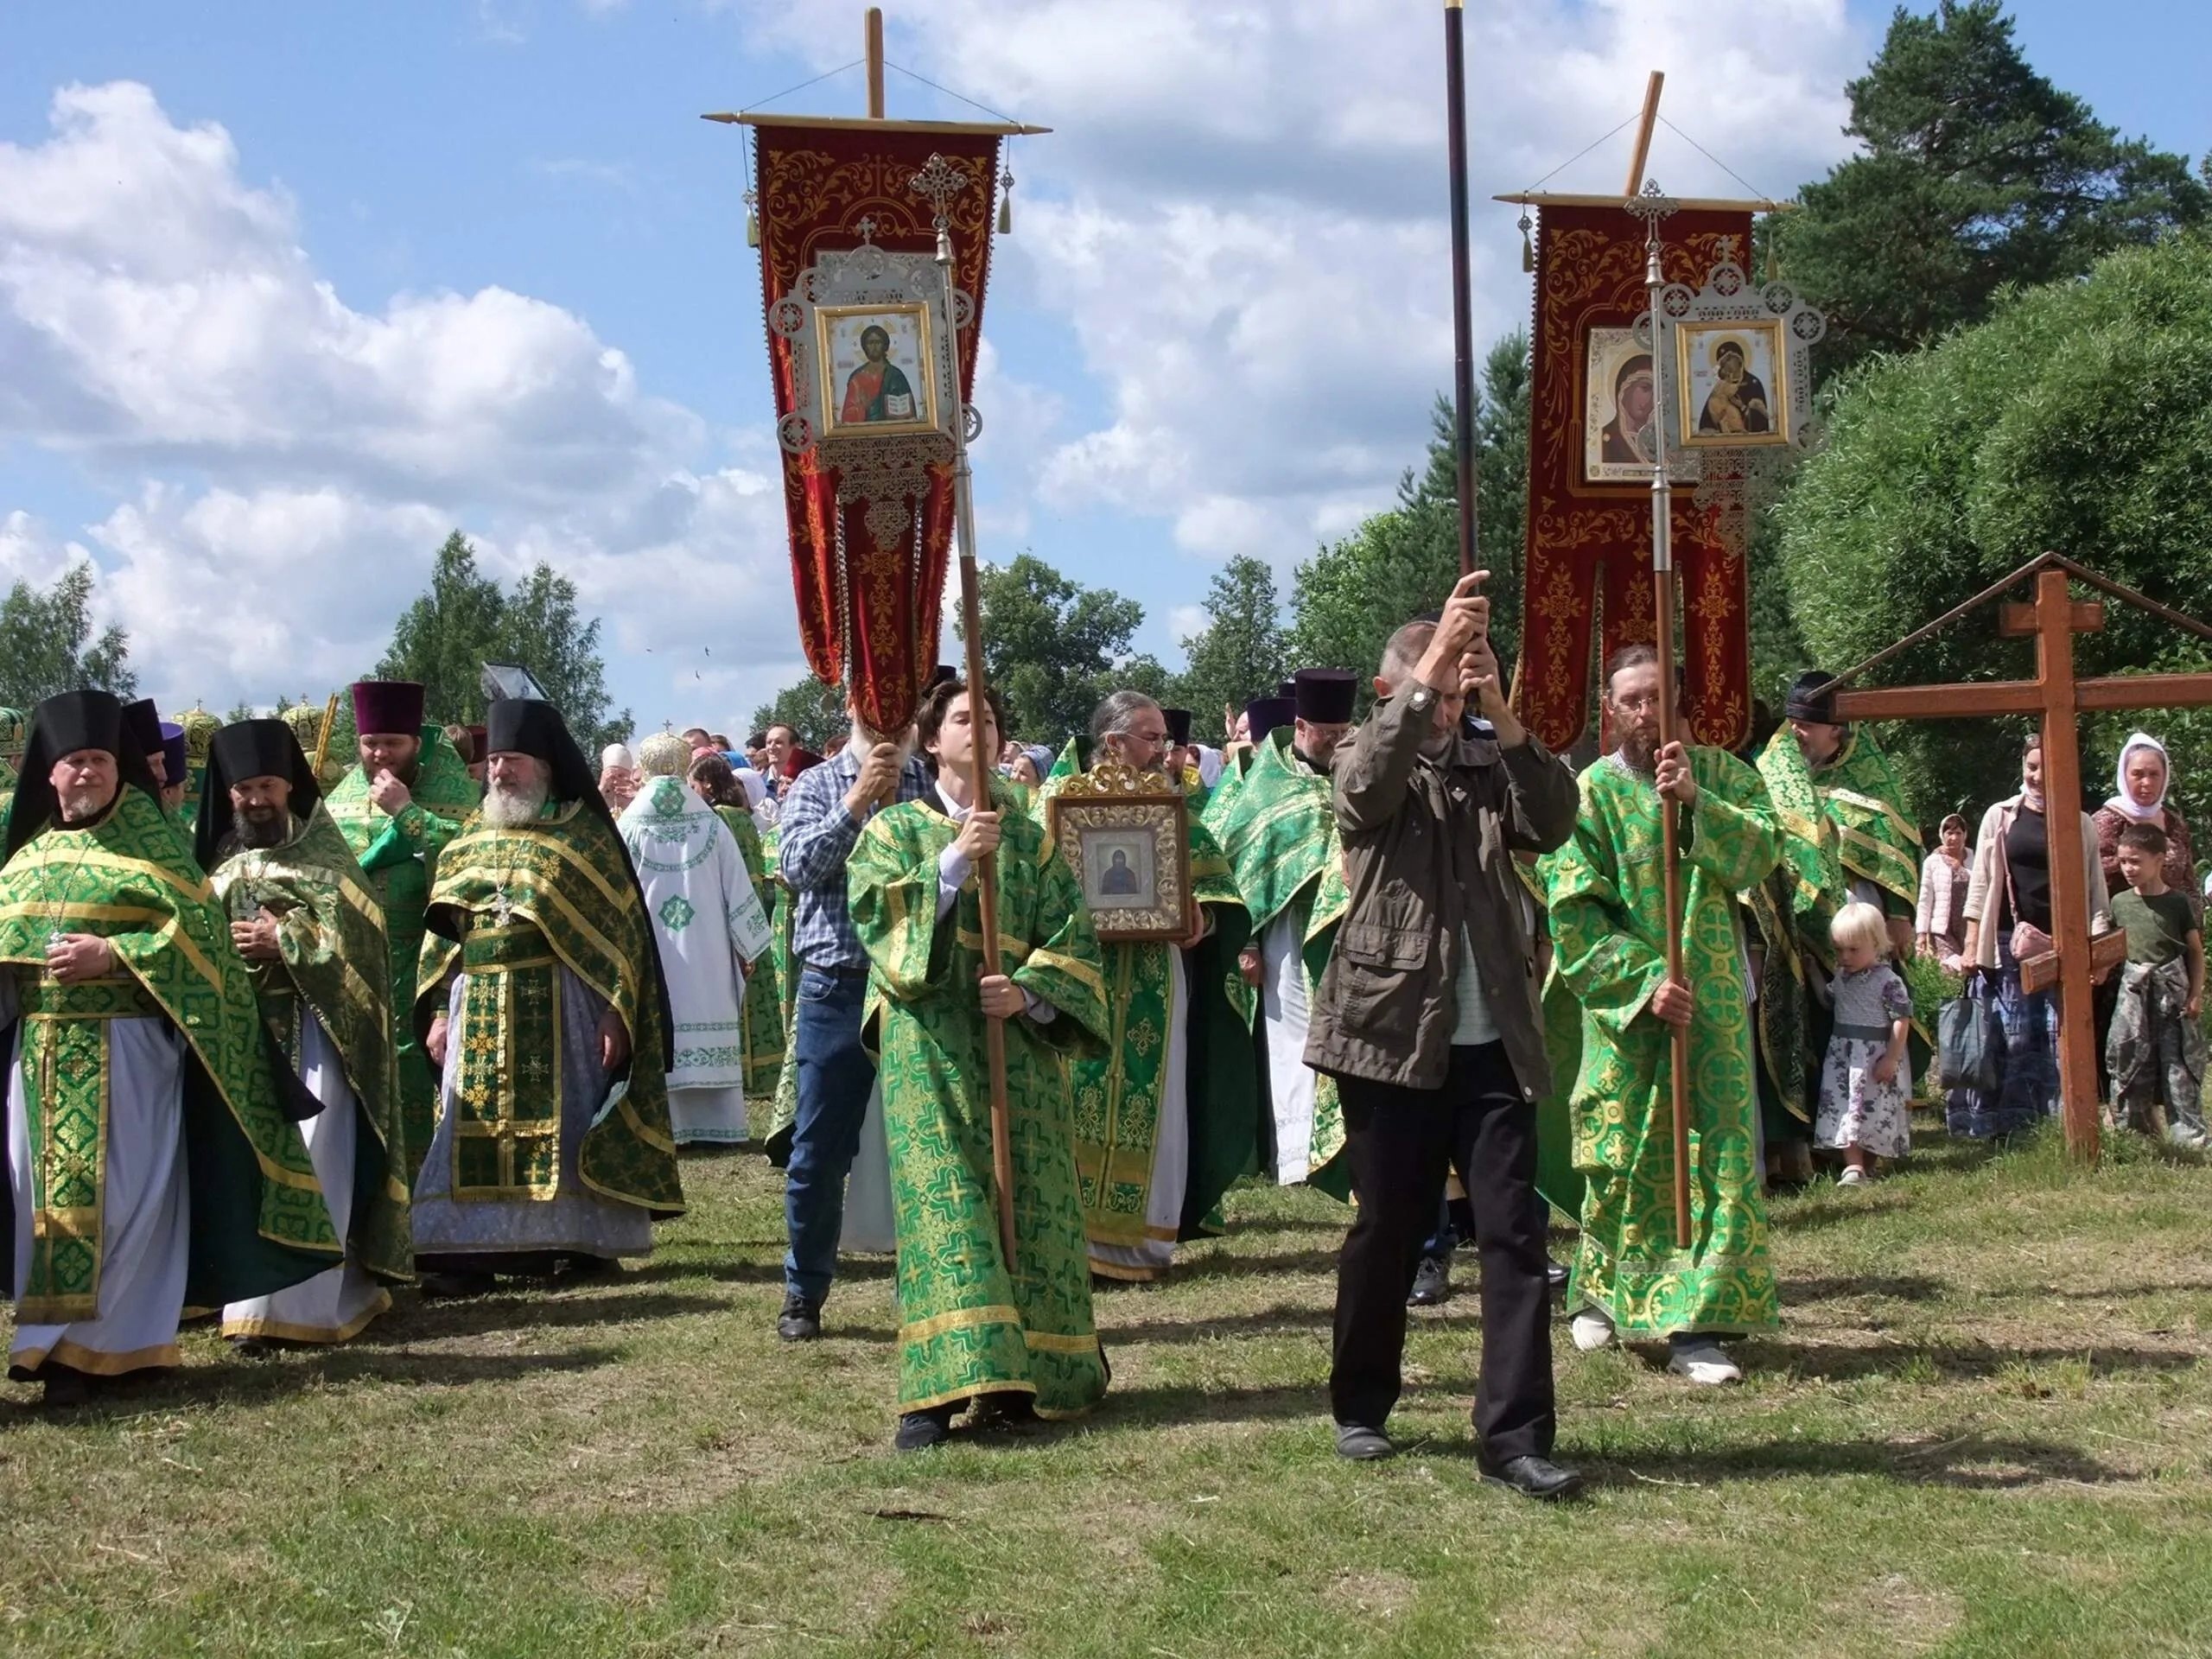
541,997
1632,1277
1168,1117
710,928
313,939
154,1159
1279,831
1015,1338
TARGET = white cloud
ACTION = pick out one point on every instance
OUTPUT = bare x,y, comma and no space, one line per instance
286,463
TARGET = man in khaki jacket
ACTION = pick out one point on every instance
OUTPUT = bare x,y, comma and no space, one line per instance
1429,1018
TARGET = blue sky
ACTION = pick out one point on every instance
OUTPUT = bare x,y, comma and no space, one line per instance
287,289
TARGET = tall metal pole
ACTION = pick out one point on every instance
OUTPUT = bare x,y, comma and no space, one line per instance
979,763
1463,326
1653,207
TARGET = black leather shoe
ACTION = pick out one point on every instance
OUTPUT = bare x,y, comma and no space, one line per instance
65,1388
920,1430
252,1347
1532,1477
1003,1411
1432,1283
1357,1443
1555,1274
800,1321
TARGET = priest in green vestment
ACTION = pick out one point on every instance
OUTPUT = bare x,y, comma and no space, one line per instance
1169,1114
1015,1338
1847,838
403,801
312,937
154,1159
716,782
541,997
1279,832
1632,1277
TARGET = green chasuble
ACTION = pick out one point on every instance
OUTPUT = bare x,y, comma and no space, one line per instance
765,1041
331,940
968,1326
1608,912
259,1224
399,856
1841,824
1279,830
512,904
1119,1094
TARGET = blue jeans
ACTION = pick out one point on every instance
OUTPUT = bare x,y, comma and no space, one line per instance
835,1077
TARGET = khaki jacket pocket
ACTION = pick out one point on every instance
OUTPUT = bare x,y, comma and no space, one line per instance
1384,971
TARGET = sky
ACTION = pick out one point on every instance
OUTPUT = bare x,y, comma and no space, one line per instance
288,291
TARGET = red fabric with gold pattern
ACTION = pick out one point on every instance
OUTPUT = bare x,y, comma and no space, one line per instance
1589,551
814,185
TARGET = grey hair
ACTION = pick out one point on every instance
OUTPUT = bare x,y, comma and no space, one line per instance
1113,714
1406,648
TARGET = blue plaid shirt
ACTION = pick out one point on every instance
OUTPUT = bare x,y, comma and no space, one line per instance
817,837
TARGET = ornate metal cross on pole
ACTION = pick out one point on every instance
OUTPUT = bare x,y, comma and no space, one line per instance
2057,699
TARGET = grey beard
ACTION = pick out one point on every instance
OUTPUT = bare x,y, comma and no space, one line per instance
513,805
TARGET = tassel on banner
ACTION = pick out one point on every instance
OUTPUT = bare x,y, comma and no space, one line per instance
1773,252
1006,204
752,221
1528,247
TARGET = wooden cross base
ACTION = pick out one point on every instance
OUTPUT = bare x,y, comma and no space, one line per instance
2059,700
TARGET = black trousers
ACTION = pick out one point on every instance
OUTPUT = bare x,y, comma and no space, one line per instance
1399,1142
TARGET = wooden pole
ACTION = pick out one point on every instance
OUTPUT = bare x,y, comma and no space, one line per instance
874,55
980,766
1650,118
2069,899
1463,326
322,737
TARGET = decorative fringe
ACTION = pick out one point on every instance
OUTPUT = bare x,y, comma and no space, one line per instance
1528,248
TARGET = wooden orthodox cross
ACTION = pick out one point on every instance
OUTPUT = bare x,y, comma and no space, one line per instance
2058,699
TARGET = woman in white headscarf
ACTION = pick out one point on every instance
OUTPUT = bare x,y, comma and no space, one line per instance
617,777
2145,778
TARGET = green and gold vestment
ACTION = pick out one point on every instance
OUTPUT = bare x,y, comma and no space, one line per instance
1608,915
259,1224
968,1324
1278,827
399,856
512,904
330,936
765,1043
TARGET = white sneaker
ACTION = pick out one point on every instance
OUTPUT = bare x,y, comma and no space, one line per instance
1852,1175
1591,1330
1702,1361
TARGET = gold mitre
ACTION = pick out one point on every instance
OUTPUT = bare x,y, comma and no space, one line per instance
664,755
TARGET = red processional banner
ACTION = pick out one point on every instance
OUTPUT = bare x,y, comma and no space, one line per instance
865,608
1592,402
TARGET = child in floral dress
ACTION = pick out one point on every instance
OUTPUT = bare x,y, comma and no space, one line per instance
1864,1082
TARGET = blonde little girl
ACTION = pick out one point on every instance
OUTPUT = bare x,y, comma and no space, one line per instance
1865,1083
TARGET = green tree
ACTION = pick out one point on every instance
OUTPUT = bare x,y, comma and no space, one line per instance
1352,594
539,627
1054,648
2073,419
445,637
1977,173
1238,653
815,711
47,645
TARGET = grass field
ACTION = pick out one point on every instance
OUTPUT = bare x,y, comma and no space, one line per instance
1986,1428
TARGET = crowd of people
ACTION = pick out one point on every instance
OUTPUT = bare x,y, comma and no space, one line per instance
286,1033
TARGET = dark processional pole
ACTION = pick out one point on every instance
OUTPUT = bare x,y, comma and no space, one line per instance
934,182
1463,326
